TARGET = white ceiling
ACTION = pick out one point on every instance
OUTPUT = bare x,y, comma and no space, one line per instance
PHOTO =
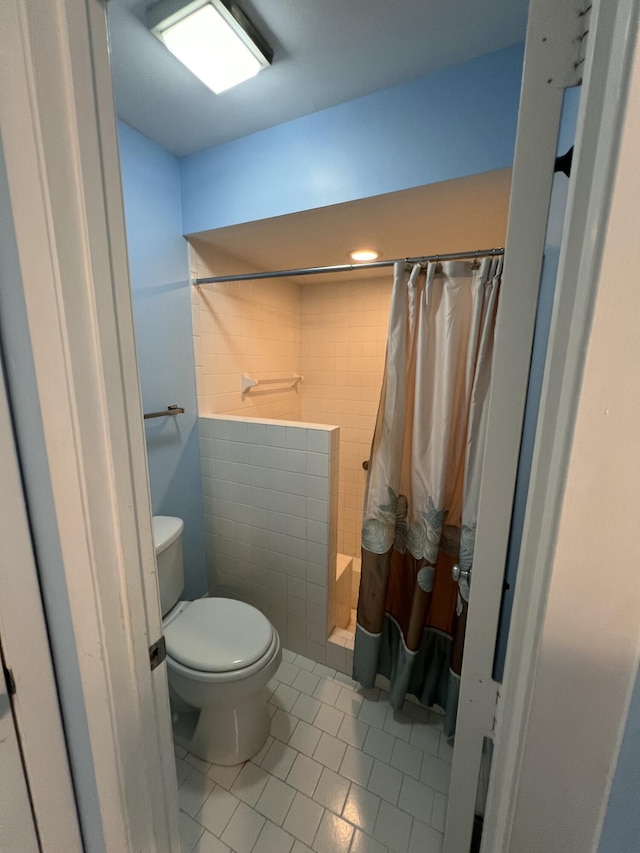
325,52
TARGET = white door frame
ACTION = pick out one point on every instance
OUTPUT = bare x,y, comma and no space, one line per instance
88,494
612,41
552,52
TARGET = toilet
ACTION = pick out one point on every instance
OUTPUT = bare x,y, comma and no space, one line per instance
220,655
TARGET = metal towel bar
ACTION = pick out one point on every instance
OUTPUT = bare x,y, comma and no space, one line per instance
248,382
170,410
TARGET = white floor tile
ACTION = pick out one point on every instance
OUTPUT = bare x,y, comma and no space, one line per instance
250,783
398,724
330,751
327,691
180,751
373,713
416,799
365,844
305,738
445,751
285,697
224,776
282,725
272,839
425,839
306,708
353,731
331,790
198,763
303,818
427,738
304,774
288,655
439,813
183,768
243,829
367,692
257,758
345,679
190,831
407,758
279,759
305,663
349,701
418,713
299,847
379,744
287,672
328,719
194,791
435,773
275,800
436,719
356,766
334,835
385,781
208,843
306,682
324,671
361,808
217,810
393,828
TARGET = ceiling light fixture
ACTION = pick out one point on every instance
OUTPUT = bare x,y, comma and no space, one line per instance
364,255
213,38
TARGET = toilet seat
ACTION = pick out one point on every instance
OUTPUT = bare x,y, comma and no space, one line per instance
218,638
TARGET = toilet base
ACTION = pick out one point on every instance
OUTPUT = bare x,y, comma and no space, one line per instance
231,733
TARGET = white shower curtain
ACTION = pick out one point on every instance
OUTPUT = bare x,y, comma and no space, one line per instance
423,481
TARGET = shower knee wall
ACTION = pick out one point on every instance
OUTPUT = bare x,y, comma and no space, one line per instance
271,513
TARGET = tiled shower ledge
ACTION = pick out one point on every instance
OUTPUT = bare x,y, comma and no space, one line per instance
339,773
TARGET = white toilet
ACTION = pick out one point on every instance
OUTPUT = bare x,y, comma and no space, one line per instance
220,655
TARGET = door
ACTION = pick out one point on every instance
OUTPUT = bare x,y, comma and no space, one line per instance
17,829
67,335
32,743
551,64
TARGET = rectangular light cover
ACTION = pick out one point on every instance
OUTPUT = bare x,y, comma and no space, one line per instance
207,44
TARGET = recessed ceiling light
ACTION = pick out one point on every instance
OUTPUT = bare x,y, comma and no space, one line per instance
364,255
213,38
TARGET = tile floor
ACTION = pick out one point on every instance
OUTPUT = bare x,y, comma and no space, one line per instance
339,773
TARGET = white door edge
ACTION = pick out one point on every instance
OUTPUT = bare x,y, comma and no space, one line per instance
60,149
550,56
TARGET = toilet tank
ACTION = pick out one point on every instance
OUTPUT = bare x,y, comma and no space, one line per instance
167,537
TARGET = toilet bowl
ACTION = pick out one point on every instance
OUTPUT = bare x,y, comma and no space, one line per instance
220,655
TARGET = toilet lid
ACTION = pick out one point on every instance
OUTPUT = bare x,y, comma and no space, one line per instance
218,635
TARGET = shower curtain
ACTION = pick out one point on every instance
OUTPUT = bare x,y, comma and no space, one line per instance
423,480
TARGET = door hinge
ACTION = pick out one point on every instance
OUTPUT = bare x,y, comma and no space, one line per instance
10,680
157,653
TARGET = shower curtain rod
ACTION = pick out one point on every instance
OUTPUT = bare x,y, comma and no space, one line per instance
450,256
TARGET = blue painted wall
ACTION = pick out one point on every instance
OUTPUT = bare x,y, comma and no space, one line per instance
159,267
453,123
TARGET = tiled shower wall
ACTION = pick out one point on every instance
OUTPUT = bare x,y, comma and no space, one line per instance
250,327
270,503
344,334
332,333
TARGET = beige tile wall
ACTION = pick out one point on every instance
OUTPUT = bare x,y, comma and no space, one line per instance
248,327
333,333
344,333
